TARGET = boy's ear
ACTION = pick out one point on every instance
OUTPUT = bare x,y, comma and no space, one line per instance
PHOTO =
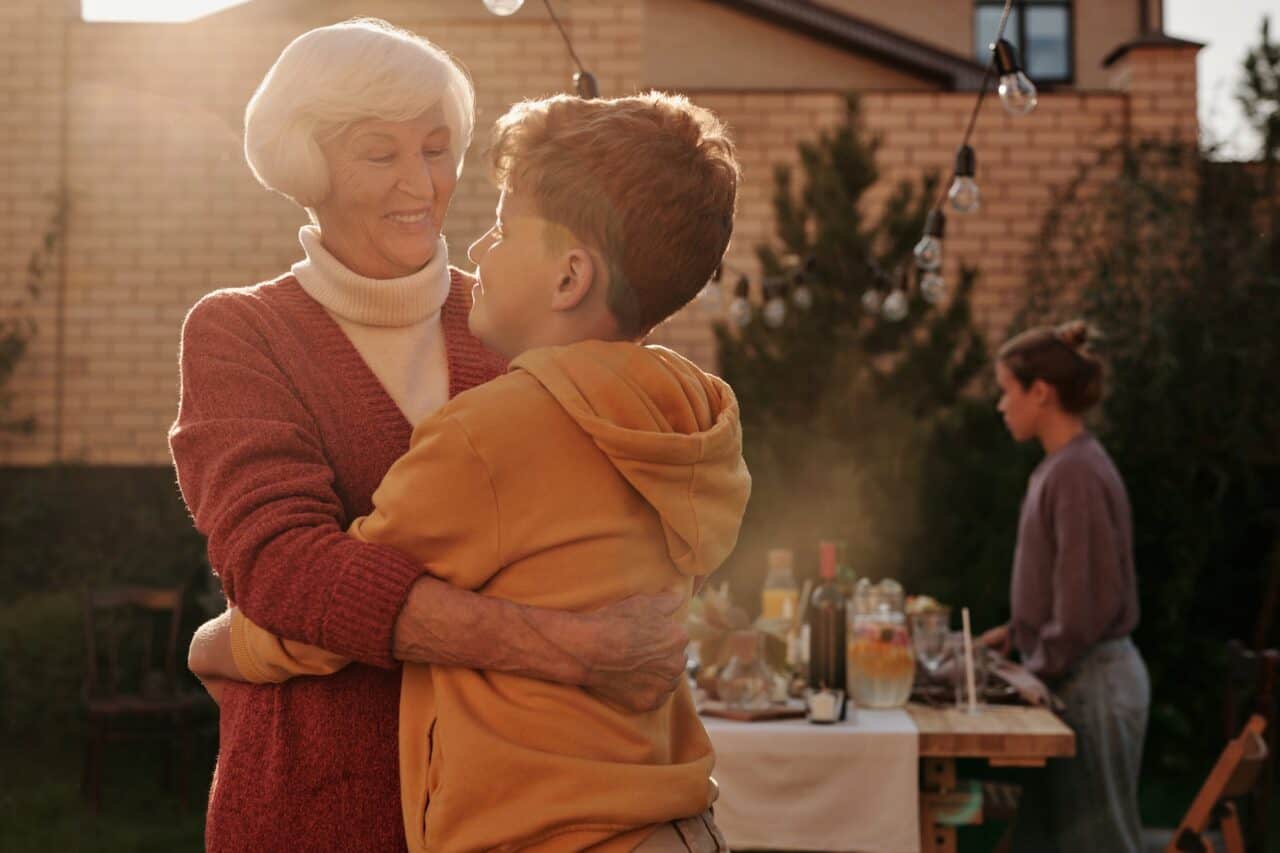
578,274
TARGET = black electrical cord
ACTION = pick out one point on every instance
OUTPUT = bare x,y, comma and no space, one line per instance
982,94
565,35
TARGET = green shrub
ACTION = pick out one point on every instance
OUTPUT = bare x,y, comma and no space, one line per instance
1186,295
41,663
66,529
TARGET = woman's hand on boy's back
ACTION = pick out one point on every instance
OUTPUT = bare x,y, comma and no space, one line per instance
639,657
630,653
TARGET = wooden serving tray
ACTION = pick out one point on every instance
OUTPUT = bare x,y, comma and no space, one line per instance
774,712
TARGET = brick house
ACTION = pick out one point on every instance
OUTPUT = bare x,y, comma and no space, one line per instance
140,126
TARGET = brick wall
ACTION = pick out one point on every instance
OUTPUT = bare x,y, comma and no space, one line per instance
32,93
1021,162
164,210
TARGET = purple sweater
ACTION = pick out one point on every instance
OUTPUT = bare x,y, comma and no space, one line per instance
1074,584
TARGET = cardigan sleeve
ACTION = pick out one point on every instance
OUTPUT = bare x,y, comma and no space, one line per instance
454,531
254,475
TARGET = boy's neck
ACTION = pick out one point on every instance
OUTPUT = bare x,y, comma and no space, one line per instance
563,331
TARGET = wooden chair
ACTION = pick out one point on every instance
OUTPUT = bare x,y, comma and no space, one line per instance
127,691
1253,679
1233,777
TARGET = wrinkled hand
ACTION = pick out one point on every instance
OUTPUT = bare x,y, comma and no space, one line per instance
637,657
997,638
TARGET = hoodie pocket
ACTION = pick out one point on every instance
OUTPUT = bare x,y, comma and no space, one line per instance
435,763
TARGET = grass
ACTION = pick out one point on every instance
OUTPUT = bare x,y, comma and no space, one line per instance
41,808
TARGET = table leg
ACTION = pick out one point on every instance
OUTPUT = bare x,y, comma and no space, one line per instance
939,778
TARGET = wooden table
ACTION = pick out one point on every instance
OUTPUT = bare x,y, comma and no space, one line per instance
1005,735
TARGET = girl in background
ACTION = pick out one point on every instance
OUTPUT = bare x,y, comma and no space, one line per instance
1074,599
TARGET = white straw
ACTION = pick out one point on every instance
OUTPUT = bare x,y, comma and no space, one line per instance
968,661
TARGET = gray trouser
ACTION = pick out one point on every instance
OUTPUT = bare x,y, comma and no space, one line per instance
691,835
1090,802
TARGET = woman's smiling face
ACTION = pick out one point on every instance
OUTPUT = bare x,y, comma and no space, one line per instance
390,183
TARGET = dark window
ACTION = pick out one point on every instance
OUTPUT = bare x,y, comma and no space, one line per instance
1039,29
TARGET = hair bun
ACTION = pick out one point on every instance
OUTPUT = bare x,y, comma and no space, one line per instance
1074,334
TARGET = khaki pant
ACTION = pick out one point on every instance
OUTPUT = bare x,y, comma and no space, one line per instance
690,835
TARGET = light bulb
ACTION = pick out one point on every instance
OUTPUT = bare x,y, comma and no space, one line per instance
775,312
1017,92
872,299
503,7
933,287
740,312
929,253
585,84
895,307
802,296
964,195
709,296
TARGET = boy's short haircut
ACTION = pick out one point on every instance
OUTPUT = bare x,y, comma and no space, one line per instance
648,181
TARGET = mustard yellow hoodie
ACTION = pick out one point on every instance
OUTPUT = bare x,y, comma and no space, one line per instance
586,474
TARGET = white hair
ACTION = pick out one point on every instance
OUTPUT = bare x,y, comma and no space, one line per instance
332,76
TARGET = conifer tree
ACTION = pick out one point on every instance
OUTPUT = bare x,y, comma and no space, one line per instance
837,401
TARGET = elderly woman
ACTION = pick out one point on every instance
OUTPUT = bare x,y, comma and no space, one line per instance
299,393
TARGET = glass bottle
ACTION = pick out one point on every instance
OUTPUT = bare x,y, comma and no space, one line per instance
881,663
745,682
780,596
827,625
844,570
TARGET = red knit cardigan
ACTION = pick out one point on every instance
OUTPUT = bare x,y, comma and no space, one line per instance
283,434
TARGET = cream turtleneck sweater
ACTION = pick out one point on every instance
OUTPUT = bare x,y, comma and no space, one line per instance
393,323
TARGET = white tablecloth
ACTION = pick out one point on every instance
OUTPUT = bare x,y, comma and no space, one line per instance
793,785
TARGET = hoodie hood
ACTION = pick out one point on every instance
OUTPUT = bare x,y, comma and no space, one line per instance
669,428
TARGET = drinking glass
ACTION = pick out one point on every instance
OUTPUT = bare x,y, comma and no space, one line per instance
930,630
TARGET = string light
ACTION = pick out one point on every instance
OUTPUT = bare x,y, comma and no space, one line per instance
775,305
585,85
503,7
709,296
964,194
933,287
1017,92
896,306
801,295
885,297
584,82
740,307
928,251
872,300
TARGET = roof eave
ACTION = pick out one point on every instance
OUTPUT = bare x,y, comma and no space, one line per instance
859,36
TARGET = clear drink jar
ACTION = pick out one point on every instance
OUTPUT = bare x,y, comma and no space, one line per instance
880,660
746,681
